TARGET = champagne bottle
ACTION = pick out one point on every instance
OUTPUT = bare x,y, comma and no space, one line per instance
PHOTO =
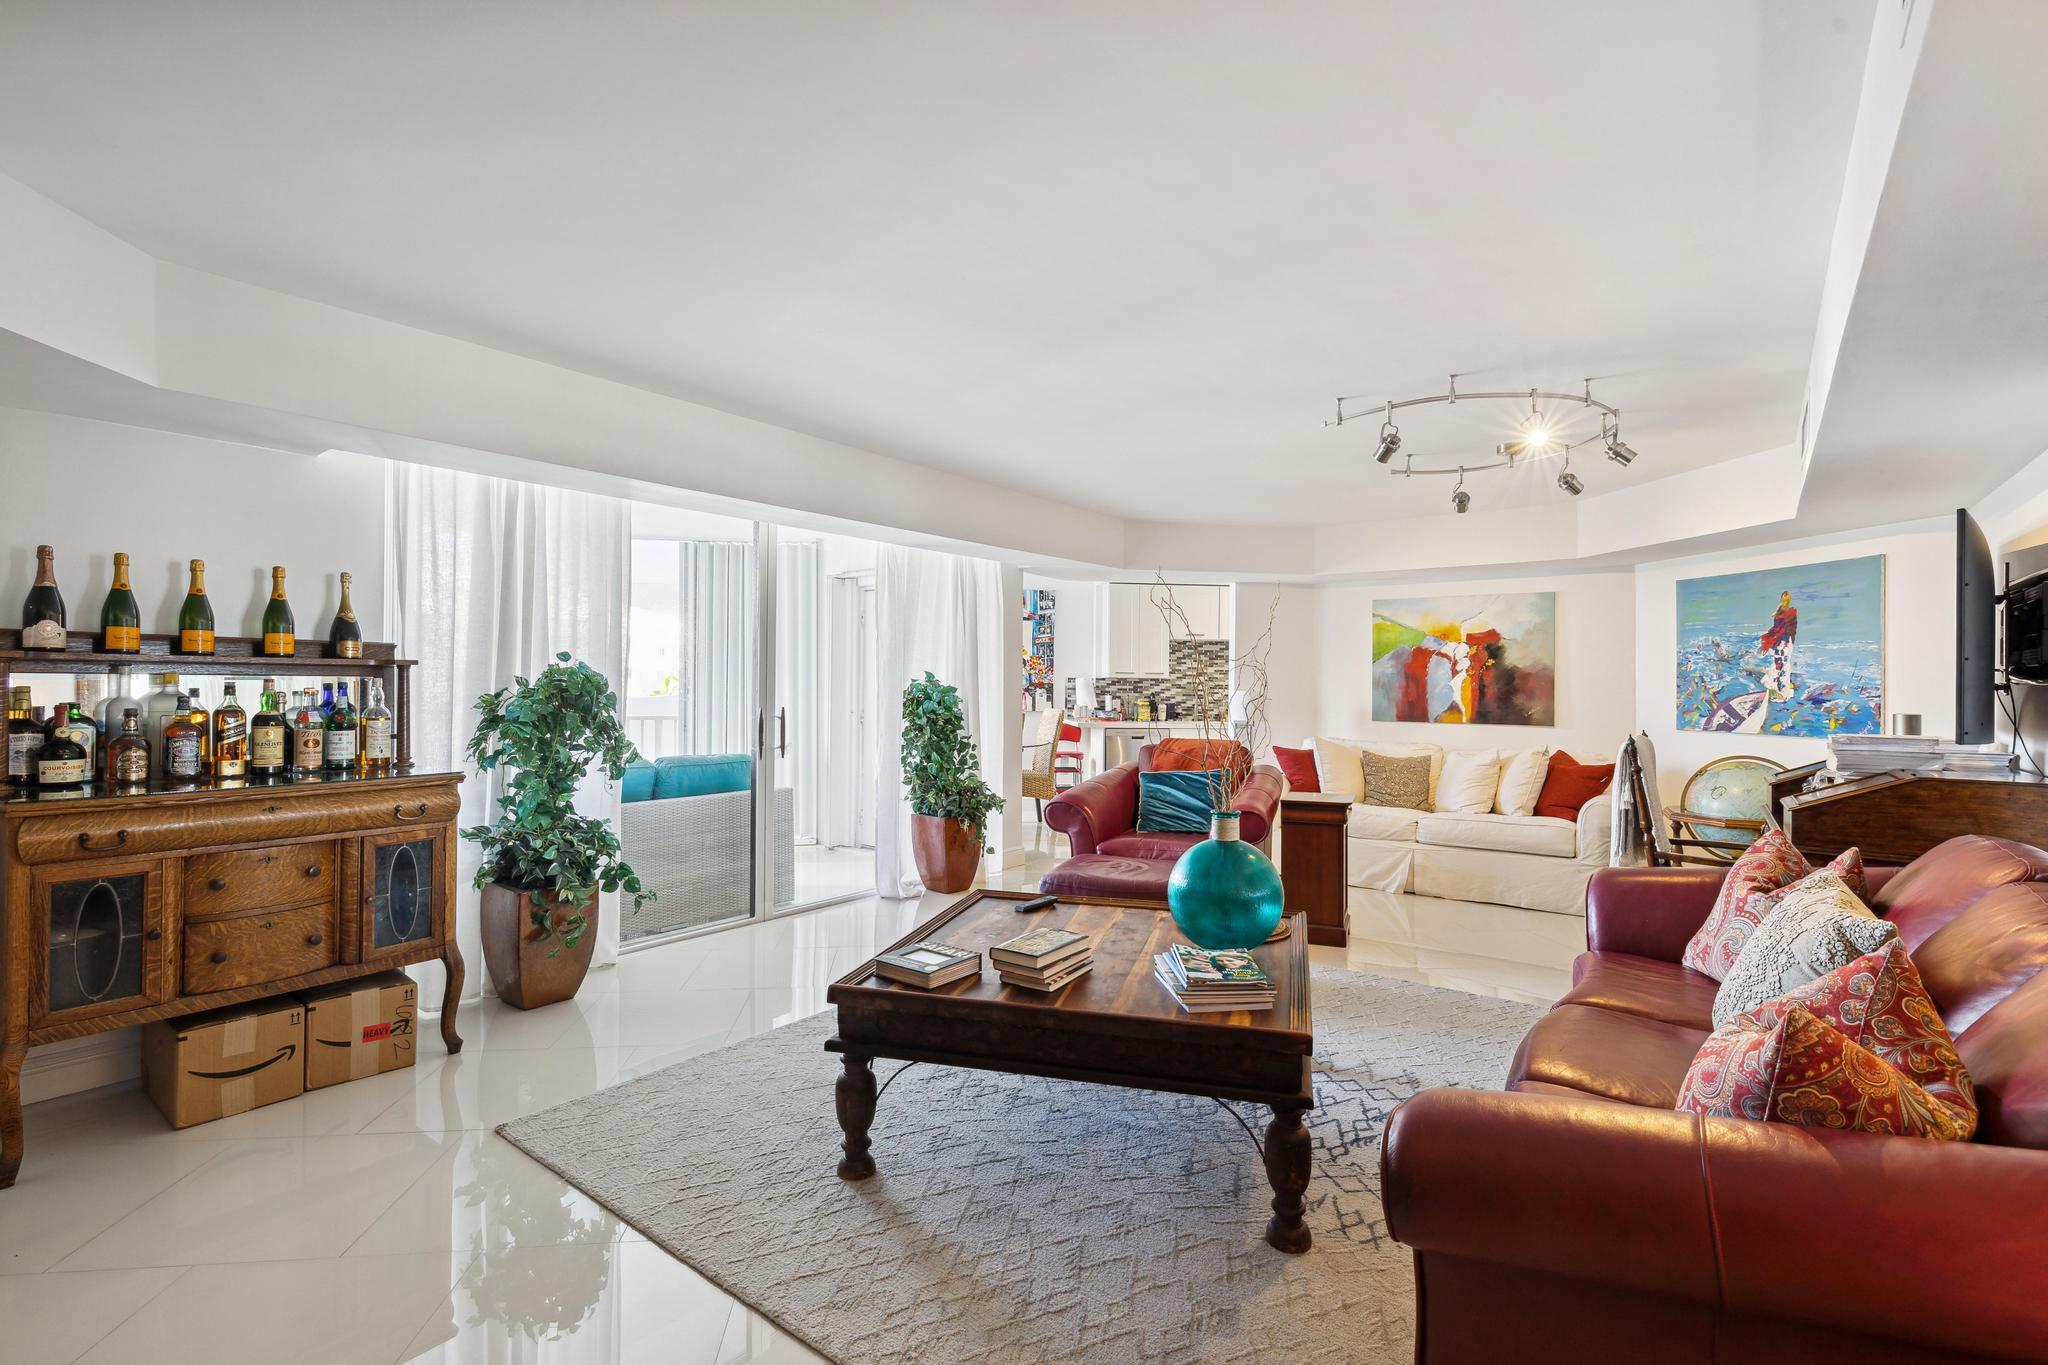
269,741
195,618
42,613
345,637
342,739
120,618
230,736
280,634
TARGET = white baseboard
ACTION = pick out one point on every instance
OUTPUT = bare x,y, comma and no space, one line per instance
77,1064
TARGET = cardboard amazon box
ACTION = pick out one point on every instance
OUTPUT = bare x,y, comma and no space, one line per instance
226,1061
359,1028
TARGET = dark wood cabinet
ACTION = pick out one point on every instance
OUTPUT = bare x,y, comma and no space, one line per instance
1312,862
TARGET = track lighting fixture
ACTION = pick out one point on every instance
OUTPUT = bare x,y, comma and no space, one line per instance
1460,499
1618,451
1390,441
1571,483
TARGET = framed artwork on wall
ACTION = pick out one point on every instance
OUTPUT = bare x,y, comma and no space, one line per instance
1486,659
1797,651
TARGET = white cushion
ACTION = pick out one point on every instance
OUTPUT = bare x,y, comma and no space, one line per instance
1339,768
1540,834
1521,781
1468,782
1818,925
1382,822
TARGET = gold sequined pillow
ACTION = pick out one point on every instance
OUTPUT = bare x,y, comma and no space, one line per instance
1391,781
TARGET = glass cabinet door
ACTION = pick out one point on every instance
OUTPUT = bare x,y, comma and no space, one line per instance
404,876
103,947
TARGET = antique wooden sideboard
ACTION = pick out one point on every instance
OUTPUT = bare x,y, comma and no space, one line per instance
1895,817
122,906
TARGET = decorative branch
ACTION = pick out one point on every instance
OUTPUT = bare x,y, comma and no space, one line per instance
1245,678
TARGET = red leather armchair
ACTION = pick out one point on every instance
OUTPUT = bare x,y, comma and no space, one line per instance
1580,1216
1101,814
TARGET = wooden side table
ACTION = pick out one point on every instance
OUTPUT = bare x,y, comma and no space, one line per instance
1312,861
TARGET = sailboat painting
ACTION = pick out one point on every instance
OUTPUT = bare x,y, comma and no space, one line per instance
1796,651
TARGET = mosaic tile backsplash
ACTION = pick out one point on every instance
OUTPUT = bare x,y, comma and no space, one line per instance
1185,662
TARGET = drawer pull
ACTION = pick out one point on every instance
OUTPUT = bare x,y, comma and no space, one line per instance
121,837
313,940
419,813
217,885
154,935
313,869
217,957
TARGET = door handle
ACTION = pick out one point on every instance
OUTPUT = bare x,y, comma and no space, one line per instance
399,812
782,732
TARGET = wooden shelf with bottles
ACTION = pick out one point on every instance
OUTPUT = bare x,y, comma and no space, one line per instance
238,656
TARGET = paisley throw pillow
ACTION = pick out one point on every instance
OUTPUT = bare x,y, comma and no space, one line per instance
1719,941
1766,865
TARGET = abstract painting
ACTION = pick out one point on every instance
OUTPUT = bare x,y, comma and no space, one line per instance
1793,651
1489,659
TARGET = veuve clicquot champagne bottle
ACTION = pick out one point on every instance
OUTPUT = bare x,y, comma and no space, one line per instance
280,634
195,618
120,619
42,613
345,637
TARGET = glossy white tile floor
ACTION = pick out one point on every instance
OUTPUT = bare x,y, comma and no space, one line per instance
383,1221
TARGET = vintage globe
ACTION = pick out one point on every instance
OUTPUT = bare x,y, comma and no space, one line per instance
1737,788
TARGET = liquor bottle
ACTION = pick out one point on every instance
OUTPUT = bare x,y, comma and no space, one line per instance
184,759
196,709
269,739
343,742
120,618
345,637
64,762
42,612
380,741
158,707
280,634
120,696
69,720
326,701
309,735
24,738
230,736
195,618
128,754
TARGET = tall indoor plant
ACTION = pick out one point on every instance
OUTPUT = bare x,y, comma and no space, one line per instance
949,802
543,863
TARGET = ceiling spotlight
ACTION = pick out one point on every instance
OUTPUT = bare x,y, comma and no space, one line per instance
1570,483
1390,441
1618,451
1460,499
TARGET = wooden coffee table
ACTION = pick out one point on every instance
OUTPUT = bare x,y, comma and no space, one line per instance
1115,1026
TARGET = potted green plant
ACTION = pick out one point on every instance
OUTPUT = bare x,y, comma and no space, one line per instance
543,863
949,802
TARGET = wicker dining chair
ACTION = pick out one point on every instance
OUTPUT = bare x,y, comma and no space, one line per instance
1040,780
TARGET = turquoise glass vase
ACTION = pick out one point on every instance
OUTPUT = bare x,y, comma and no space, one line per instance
1224,892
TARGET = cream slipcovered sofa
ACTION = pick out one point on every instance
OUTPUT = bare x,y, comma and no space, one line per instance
1531,861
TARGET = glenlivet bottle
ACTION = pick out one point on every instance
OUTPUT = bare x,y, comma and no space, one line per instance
42,613
345,637
120,619
230,736
195,618
280,635
269,740
128,754
342,739
380,742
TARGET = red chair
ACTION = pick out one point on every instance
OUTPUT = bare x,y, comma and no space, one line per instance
1066,759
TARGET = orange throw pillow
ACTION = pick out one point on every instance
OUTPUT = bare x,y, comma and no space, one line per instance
1570,784
1203,755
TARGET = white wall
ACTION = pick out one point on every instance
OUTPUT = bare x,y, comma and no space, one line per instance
168,499
1595,664
1293,658
1919,641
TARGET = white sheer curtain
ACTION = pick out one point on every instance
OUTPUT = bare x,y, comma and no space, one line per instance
718,647
942,613
800,659
491,579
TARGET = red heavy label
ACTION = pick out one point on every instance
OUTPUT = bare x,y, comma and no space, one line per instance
376,1032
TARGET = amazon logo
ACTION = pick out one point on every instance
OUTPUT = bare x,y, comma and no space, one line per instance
284,1054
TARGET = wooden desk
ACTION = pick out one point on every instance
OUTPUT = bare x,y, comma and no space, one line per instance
1896,817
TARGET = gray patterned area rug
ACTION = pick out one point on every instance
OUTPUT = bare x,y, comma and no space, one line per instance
1016,1219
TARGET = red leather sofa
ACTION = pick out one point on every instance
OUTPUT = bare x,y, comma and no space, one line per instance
1112,859
1578,1216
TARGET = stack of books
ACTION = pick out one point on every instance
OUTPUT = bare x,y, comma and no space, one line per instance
1855,755
1207,982
928,964
1042,960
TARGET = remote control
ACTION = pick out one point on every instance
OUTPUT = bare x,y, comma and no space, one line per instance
1042,903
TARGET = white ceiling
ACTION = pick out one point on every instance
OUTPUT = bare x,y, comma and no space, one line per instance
1122,254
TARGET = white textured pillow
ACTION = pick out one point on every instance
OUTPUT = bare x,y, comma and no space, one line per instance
1467,784
1339,768
1521,781
1817,926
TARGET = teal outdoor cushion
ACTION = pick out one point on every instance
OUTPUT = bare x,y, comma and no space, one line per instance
639,783
701,774
1176,802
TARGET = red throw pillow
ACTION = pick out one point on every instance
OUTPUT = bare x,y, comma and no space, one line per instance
1861,1048
1570,784
1751,890
1299,766
1203,755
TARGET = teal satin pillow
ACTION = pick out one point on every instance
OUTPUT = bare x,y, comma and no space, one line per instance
1177,802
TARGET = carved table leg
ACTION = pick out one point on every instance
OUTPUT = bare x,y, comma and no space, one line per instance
13,1048
1287,1164
451,996
854,1097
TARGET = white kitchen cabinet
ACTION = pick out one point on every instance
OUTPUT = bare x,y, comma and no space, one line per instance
1207,608
1137,633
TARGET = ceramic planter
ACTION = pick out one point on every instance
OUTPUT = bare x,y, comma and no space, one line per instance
1224,893
948,852
517,953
